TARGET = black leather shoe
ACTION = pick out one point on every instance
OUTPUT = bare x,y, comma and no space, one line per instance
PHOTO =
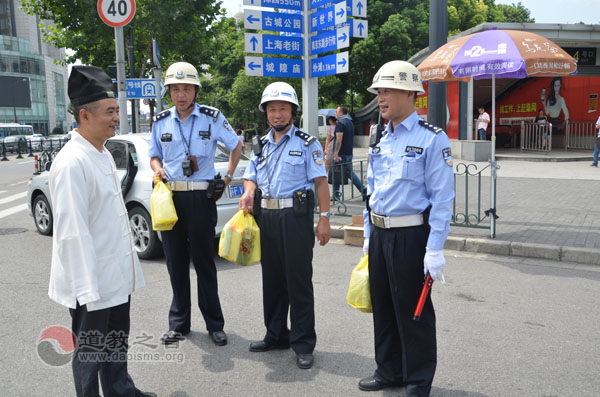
262,346
371,384
139,393
219,337
172,337
304,361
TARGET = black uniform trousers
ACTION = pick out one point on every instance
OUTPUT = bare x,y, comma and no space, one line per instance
91,330
287,243
193,236
405,350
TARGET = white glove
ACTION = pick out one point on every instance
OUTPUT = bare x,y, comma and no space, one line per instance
434,262
366,247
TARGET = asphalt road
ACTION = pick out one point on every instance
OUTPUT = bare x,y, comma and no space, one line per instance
507,326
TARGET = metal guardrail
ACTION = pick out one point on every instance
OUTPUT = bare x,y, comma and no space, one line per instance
338,174
536,136
471,207
468,204
580,135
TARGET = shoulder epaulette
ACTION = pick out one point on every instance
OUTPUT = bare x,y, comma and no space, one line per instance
432,128
264,139
207,110
162,115
307,138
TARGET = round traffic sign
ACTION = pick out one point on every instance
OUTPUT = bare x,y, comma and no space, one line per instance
116,13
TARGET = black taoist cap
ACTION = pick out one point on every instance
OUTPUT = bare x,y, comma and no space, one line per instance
89,84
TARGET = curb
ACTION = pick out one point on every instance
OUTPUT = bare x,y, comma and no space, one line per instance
588,256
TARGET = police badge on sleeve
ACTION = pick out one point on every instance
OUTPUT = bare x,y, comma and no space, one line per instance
447,155
317,157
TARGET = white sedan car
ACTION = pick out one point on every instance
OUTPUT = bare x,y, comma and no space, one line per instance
133,165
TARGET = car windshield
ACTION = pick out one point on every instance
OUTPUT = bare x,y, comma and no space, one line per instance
222,155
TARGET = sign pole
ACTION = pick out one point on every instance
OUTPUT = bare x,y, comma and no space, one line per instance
120,52
157,74
310,85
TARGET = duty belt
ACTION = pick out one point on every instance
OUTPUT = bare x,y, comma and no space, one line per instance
389,222
276,204
185,186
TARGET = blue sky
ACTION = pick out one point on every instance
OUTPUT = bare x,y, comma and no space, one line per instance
544,11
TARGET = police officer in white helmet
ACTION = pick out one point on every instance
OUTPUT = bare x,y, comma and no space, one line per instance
278,190
182,151
411,187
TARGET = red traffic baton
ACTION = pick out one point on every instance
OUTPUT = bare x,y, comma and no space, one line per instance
426,287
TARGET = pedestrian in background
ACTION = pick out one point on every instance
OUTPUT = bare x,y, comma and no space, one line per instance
182,151
411,187
95,268
241,138
542,121
342,156
278,191
329,141
482,123
597,147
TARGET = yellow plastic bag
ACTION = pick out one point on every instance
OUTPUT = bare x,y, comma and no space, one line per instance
240,240
162,209
359,291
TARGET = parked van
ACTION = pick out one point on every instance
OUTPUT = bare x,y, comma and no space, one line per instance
322,122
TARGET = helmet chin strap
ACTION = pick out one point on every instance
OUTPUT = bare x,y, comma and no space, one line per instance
280,128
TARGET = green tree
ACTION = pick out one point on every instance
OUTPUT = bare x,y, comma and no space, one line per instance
400,28
183,29
513,13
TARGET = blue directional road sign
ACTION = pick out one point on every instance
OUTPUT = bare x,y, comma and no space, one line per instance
287,4
142,88
358,27
273,44
357,8
330,64
273,67
317,3
329,41
273,21
328,16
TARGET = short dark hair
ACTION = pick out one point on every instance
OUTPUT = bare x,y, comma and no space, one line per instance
90,107
344,109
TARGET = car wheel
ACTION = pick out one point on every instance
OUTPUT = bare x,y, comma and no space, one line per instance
42,215
145,240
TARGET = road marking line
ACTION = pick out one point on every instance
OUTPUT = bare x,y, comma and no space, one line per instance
13,210
13,197
18,183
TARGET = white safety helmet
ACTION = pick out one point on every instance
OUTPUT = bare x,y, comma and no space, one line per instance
182,73
279,91
398,75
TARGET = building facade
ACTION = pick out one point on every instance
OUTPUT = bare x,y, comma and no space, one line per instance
35,85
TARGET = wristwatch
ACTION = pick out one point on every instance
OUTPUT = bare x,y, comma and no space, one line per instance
228,176
326,214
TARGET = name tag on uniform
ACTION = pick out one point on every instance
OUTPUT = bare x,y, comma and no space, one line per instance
295,153
414,149
204,135
166,137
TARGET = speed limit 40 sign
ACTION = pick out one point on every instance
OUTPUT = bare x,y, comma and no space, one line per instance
116,13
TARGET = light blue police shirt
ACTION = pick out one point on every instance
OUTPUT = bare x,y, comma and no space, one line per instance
201,132
409,170
299,164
